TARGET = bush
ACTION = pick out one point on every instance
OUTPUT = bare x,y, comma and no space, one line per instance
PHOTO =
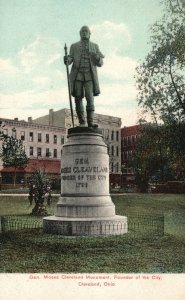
39,188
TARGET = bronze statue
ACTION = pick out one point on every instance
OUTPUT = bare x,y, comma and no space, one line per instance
85,57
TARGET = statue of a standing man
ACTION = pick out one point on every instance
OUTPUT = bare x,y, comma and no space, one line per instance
85,57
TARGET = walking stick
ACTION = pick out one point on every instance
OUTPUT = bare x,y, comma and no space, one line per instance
69,89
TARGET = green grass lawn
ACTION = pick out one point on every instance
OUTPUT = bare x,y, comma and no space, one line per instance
19,205
33,251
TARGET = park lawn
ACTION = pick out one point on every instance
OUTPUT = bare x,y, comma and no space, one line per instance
172,206
33,251
19,205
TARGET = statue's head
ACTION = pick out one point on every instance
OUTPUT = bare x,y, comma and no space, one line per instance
85,33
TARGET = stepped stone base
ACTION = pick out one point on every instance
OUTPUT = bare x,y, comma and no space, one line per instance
116,225
85,207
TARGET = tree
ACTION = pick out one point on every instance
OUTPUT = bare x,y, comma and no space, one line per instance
159,154
13,154
161,77
39,187
175,141
160,81
2,125
152,156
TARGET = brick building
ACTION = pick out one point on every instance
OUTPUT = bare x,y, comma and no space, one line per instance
43,140
129,138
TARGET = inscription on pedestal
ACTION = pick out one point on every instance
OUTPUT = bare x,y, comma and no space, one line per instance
83,173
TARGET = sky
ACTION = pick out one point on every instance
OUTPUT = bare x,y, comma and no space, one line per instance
32,38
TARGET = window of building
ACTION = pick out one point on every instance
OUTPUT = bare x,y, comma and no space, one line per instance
31,151
112,150
117,151
55,153
61,152
130,154
5,131
106,134
39,151
62,140
14,134
125,141
22,135
117,136
112,135
125,155
47,152
112,167
39,137
31,136
47,137
55,139
129,140
133,139
137,137
117,167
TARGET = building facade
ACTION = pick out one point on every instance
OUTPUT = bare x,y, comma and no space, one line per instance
111,128
39,141
43,138
43,145
129,138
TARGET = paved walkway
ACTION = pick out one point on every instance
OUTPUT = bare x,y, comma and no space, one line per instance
23,195
116,194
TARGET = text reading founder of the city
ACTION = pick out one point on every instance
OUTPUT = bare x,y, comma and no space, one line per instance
85,57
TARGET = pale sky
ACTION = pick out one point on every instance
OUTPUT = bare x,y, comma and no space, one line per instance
32,38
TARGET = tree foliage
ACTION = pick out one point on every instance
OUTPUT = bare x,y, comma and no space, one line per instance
12,153
39,191
160,81
160,154
2,125
151,159
161,77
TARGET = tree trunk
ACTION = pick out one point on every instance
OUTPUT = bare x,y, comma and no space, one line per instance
15,176
39,210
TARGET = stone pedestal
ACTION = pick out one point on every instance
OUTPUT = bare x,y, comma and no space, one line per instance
85,206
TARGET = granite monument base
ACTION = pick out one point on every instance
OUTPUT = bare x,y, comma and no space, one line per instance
85,207
116,225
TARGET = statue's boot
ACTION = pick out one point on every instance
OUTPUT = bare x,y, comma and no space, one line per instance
90,115
81,118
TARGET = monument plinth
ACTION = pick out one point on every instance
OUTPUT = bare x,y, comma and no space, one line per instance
85,206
